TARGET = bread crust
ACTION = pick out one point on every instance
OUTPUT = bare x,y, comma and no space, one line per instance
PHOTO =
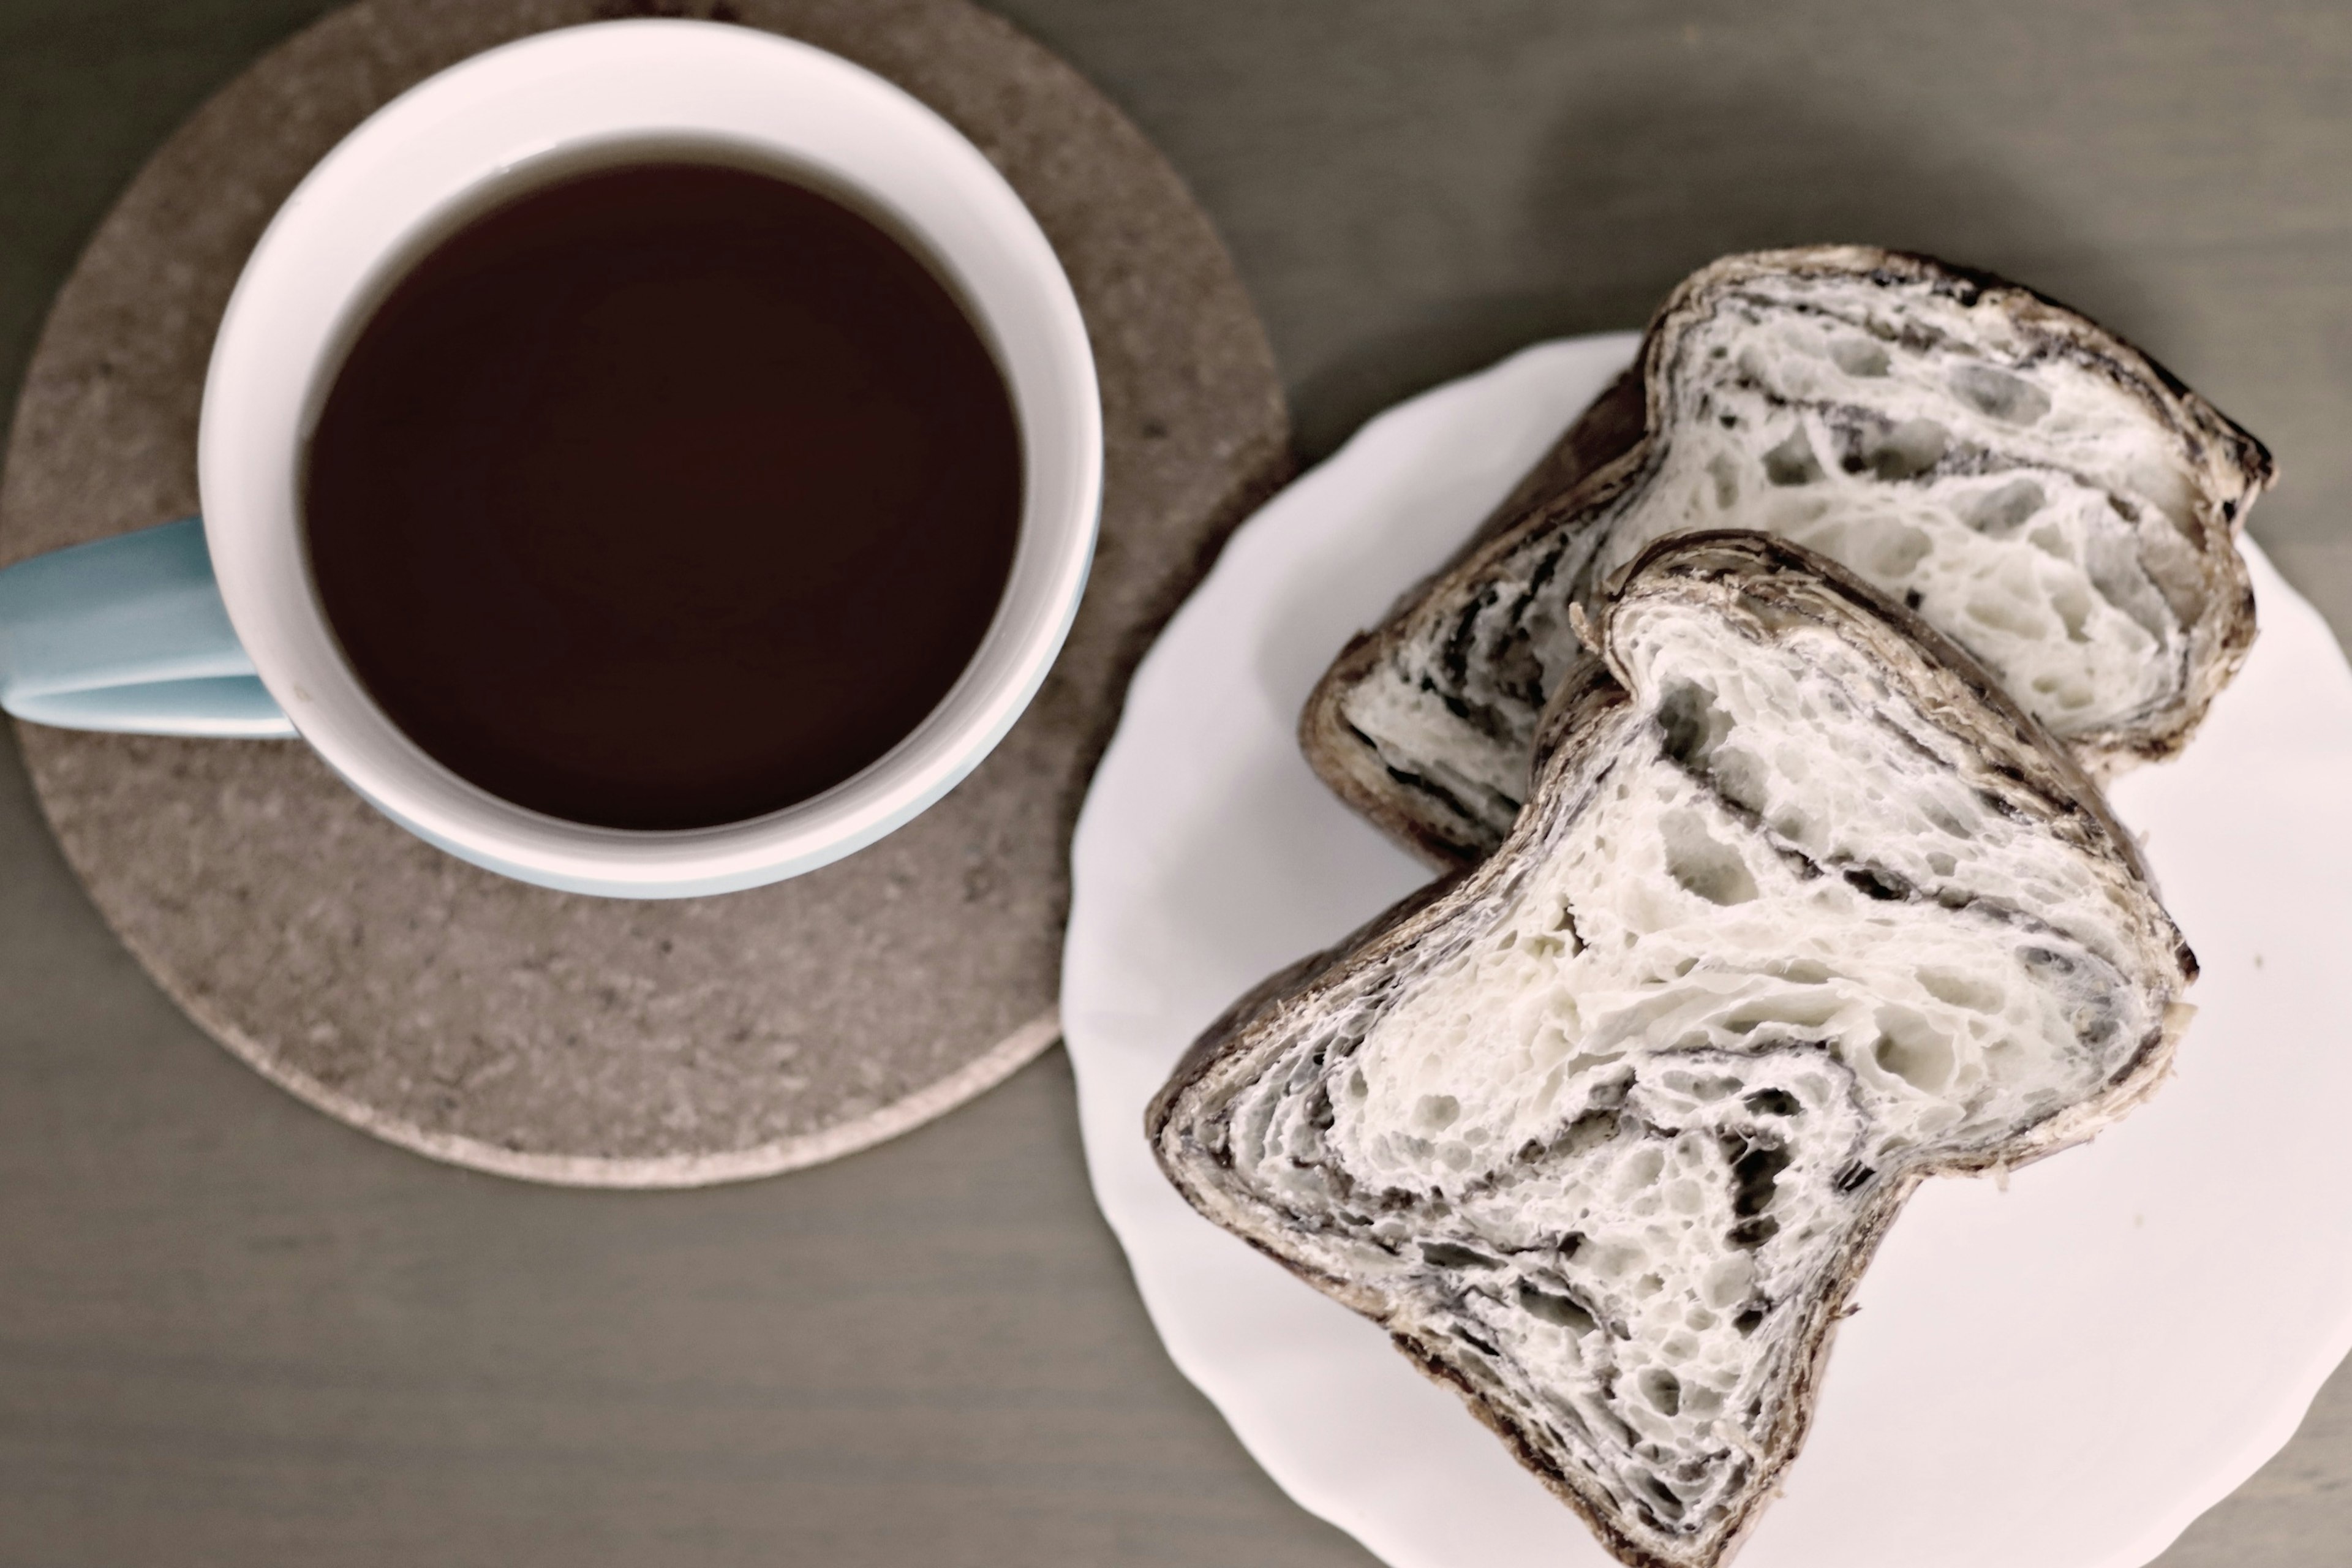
1617,444
1767,584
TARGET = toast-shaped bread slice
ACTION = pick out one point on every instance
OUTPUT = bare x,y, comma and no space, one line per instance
1801,910
2034,487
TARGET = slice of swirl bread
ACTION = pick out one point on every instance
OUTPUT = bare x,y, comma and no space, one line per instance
2037,489
1801,912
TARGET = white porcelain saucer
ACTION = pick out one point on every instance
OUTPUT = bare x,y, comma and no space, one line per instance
2061,1374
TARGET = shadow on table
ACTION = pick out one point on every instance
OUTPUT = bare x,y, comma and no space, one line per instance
1633,186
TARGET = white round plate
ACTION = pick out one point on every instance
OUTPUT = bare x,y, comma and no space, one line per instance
2061,1374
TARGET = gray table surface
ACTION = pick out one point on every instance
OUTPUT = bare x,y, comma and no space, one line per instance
232,1331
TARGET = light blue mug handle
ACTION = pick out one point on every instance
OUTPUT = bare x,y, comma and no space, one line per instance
129,635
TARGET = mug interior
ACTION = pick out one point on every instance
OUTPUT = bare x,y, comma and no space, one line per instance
545,110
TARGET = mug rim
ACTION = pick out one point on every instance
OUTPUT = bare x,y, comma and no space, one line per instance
520,115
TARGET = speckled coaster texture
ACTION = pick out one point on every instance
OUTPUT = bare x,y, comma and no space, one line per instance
580,1040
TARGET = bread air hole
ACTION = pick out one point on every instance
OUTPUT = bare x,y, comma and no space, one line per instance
1809,1009
1792,461
1728,1281
1436,1112
1560,1311
2064,691
1641,1170
1447,1255
1910,1048
1997,394
1701,1086
1693,725
2072,600
1659,1496
1755,1175
1962,991
1705,869
1905,451
1893,552
2004,510
1859,357
2017,618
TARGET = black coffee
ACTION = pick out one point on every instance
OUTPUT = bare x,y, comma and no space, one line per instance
664,497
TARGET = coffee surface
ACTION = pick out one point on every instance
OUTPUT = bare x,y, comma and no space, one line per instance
664,497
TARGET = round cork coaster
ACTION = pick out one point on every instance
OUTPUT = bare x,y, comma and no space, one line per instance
580,1040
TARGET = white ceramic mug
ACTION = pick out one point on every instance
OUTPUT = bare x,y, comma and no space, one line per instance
129,634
